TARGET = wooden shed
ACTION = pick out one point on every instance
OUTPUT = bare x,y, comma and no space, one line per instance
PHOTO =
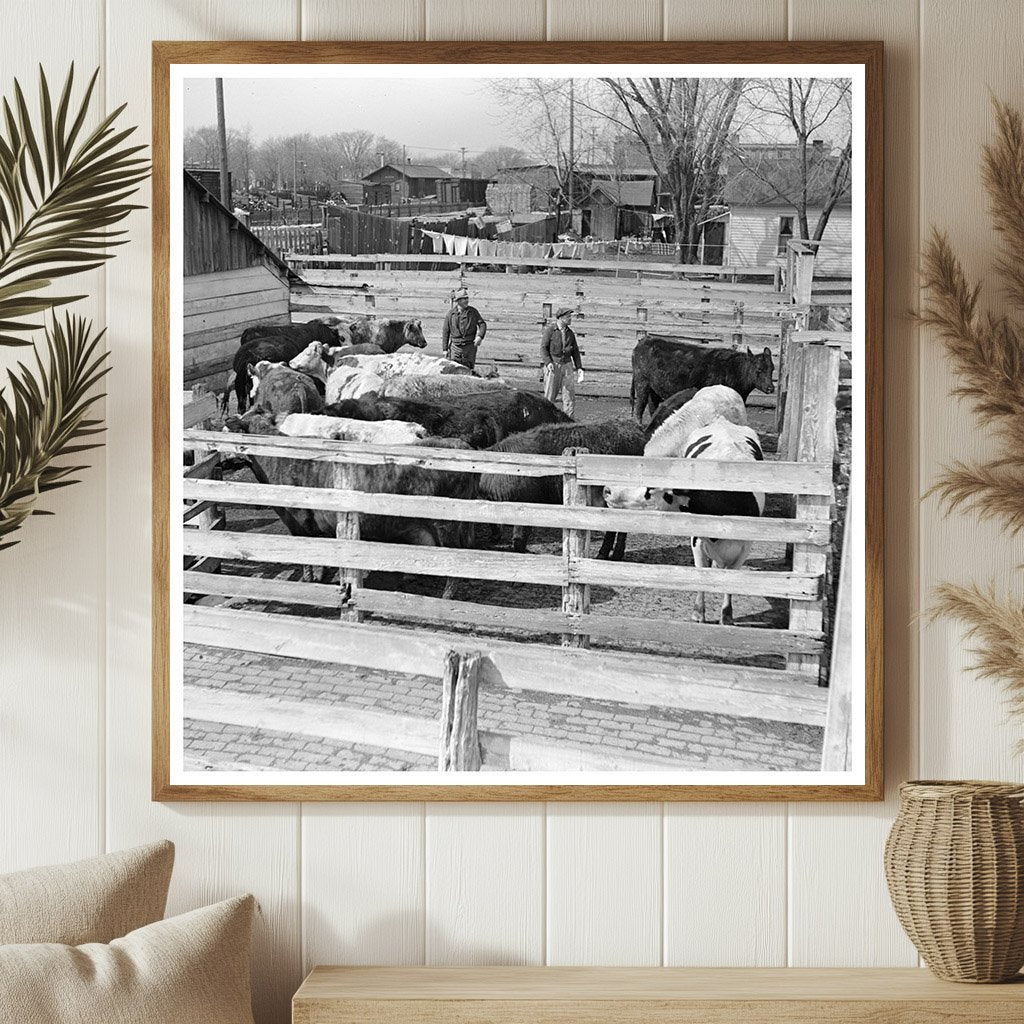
232,280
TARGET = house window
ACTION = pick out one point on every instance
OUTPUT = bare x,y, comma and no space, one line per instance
785,234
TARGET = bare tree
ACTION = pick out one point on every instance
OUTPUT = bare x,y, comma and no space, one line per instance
817,172
683,125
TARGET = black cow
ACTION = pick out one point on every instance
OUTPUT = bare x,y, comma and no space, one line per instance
662,367
475,425
609,437
328,329
272,349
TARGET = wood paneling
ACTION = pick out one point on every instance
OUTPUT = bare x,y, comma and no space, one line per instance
604,884
227,848
729,19
485,884
604,19
381,19
51,584
362,887
485,19
966,51
725,885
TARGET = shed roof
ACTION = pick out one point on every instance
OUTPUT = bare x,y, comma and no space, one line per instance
758,180
428,171
628,193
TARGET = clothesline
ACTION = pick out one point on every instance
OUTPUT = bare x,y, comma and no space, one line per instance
461,245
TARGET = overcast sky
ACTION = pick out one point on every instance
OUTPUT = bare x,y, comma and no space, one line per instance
438,113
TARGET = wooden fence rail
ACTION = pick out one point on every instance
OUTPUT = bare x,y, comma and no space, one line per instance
290,239
574,571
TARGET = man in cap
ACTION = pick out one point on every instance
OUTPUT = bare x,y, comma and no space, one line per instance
463,331
560,358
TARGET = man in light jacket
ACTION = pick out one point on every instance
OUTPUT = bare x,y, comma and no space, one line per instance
560,358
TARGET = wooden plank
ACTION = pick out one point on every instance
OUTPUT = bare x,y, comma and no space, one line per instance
575,544
672,524
465,563
318,595
200,286
320,450
199,410
270,307
837,751
602,675
681,577
771,477
610,995
702,637
568,266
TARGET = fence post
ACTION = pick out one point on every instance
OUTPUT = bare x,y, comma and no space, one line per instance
460,738
350,580
737,319
575,545
812,404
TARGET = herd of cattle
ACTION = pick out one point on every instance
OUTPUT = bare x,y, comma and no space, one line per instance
349,381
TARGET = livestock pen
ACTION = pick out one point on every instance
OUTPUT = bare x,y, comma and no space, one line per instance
616,301
381,630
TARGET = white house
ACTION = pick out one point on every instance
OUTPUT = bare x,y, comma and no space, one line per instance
754,229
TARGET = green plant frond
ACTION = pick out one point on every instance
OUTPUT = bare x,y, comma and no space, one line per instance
63,191
44,419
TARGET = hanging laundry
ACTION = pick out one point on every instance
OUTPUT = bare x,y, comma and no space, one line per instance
487,247
461,244
473,247
449,244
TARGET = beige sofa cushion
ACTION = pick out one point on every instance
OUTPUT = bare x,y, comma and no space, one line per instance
191,969
93,900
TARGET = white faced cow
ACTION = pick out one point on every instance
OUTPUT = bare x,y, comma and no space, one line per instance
718,438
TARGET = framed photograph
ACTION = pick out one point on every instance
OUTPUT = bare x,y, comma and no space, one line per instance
517,424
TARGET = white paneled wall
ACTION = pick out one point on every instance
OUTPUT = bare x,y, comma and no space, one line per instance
744,884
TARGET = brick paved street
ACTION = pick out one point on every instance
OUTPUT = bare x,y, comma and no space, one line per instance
699,740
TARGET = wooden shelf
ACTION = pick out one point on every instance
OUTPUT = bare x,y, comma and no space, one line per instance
626,995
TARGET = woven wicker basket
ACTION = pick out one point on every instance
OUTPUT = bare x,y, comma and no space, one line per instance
954,861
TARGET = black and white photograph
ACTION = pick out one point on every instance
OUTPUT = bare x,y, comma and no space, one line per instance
521,412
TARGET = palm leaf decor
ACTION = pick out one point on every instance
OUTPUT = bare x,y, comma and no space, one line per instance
63,190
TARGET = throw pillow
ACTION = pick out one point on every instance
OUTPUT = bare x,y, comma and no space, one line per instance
190,969
92,900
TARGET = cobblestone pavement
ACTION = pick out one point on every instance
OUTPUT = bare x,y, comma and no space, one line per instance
698,739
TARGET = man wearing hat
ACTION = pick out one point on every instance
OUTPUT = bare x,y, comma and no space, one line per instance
558,349
463,331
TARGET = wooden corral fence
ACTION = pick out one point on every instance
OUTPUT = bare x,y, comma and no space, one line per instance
790,694
289,239
617,302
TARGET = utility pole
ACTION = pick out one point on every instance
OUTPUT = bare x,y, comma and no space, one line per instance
222,143
295,172
572,156
463,148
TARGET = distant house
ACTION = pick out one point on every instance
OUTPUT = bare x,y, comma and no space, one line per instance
231,280
471,191
758,222
617,209
353,192
393,184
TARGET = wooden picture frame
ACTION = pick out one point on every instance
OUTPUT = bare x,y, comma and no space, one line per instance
853,706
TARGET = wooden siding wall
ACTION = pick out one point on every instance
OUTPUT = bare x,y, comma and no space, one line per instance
513,883
752,238
218,307
214,241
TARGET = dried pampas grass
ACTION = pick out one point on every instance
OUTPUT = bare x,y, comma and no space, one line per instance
987,354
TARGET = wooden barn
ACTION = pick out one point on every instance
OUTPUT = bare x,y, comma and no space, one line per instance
232,280
759,222
615,209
